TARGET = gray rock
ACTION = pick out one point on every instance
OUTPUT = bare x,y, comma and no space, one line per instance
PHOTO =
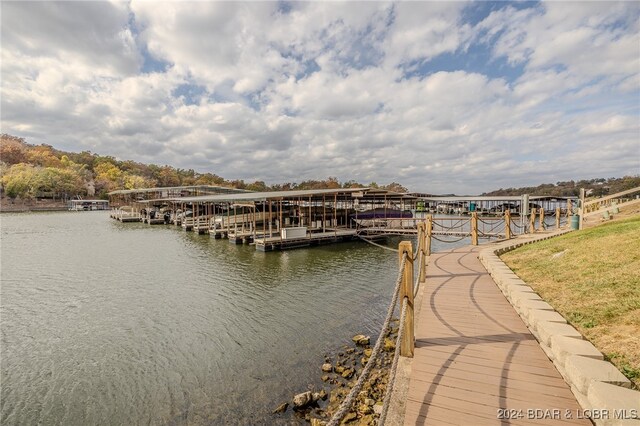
361,339
322,395
302,399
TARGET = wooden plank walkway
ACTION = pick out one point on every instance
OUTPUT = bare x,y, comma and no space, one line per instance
475,357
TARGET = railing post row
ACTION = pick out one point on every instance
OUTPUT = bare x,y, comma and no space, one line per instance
406,290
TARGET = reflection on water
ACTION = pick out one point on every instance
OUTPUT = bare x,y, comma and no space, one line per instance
110,323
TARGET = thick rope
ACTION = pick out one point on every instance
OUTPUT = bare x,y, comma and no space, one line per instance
394,365
487,221
377,245
417,280
458,224
450,241
348,401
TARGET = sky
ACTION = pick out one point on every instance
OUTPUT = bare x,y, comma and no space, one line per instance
443,97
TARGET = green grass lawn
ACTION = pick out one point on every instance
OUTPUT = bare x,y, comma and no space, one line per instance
592,278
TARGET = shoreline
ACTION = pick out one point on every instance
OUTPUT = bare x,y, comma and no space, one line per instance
28,209
339,373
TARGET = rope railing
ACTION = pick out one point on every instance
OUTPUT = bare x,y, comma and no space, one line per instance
394,365
406,288
355,390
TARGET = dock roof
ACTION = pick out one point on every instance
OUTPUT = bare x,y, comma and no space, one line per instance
482,198
304,194
179,188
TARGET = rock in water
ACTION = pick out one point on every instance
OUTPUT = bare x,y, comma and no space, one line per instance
302,399
351,416
322,395
281,408
361,339
348,373
389,345
326,367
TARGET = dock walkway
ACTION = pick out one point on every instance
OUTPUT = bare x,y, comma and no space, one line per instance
475,360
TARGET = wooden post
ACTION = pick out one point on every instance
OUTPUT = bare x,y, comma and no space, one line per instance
406,290
335,215
474,228
324,213
569,208
428,236
542,218
280,221
557,218
270,221
581,209
422,240
507,224
532,221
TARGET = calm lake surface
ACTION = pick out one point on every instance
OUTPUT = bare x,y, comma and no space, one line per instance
104,323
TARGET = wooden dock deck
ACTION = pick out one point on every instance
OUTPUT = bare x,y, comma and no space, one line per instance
314,238
475,361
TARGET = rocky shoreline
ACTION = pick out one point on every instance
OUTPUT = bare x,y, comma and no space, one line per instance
340,373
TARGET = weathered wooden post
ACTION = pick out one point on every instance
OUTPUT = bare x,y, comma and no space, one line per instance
422,241
557,218
542,218
474,228
406,290
429,233
507,224
532,221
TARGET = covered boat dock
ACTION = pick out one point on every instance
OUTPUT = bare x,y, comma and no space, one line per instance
288,219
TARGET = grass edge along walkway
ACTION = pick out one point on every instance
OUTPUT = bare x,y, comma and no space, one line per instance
592,278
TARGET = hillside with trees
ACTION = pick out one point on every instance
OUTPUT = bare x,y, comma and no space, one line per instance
41,171
30,172
594,187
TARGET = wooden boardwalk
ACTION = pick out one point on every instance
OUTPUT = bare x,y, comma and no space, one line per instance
475,360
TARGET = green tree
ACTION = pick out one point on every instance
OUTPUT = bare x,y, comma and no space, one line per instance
20,181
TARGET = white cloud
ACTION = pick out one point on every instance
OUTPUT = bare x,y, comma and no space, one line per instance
332,89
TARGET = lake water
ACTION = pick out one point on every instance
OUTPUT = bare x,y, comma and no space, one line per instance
105,323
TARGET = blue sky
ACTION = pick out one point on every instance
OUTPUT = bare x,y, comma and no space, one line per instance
440,96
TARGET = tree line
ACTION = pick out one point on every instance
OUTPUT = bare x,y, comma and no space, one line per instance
41,171
594,187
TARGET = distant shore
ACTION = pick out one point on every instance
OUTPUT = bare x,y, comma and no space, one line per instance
16,206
